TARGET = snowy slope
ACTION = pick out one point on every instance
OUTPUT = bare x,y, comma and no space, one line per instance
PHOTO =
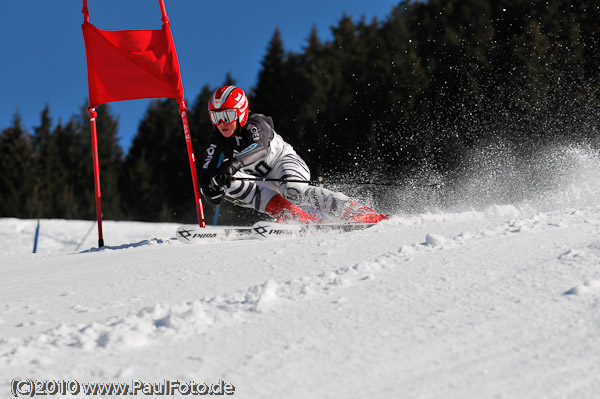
489,302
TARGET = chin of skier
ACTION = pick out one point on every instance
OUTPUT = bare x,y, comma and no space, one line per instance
245,144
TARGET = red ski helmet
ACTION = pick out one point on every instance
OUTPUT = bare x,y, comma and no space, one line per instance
225,100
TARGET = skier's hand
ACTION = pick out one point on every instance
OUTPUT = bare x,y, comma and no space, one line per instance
222,176
212,194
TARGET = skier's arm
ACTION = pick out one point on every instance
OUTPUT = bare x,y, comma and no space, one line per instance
262,134
211,192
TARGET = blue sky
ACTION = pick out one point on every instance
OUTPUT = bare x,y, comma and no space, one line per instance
44,56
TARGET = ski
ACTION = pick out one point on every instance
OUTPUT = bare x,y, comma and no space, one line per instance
191,234
270,230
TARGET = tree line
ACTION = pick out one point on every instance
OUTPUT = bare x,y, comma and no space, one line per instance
383,99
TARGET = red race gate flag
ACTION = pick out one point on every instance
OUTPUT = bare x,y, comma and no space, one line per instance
130,64
133,64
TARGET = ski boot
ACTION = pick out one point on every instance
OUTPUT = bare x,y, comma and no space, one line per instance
357,213
284,211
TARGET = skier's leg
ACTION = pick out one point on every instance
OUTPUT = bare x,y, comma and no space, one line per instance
251,194
340,206
292,167
263,197
329,202
333,204
285,211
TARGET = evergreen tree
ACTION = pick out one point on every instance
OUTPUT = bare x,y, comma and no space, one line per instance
50,173
156,180
17,162
454,51
110,158
344,74
312,92
72,200
267,97
43,133
275,93
200,123
402,86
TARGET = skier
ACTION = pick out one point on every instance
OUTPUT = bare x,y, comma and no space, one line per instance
245,144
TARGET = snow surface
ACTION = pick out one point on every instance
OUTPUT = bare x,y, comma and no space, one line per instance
493,301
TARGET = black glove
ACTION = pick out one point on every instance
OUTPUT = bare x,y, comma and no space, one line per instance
222,176
212,194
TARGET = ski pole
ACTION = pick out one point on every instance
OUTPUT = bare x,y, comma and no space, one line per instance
276,180
264,179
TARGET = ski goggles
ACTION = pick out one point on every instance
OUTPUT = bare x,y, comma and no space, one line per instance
226,115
